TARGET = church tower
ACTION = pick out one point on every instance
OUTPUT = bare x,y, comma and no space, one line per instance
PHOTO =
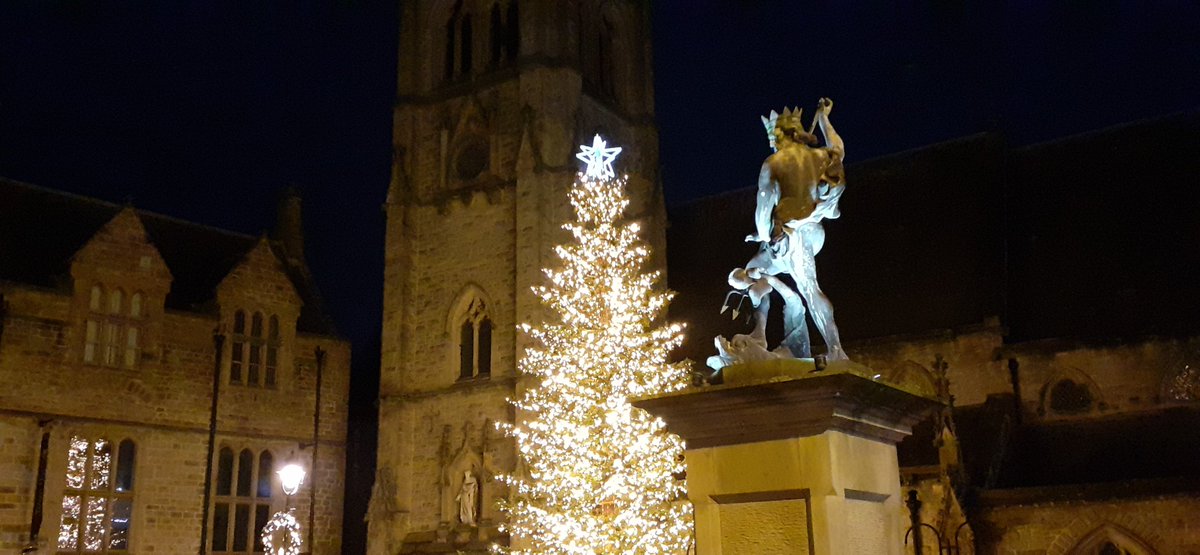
494,97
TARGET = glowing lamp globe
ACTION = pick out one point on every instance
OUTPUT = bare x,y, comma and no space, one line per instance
290,477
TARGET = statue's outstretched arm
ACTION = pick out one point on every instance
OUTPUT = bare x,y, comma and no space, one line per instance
768,197
833,141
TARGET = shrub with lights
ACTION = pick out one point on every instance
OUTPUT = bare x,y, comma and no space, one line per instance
281,534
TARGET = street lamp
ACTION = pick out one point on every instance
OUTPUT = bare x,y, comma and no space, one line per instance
281,535
291,477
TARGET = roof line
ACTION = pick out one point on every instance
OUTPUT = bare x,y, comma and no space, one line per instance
883,157
909,151
140,211
1109,129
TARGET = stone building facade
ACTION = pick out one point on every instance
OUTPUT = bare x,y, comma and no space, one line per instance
115,325
494,99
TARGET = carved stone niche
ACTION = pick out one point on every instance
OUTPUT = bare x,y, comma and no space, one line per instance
466,458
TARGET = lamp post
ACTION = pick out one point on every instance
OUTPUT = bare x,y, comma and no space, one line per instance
281,535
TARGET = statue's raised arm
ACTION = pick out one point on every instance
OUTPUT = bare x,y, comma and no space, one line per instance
833,141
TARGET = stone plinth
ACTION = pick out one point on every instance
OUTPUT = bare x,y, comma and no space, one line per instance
782,460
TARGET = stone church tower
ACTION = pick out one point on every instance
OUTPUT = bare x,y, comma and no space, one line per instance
494,97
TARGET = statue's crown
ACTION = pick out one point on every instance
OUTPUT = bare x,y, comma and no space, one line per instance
789,119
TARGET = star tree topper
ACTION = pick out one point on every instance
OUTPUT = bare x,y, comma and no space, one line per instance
598,158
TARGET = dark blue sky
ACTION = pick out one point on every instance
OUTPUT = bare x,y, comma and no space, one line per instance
907,74
205,109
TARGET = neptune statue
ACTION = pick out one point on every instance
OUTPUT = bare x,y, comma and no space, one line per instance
798,187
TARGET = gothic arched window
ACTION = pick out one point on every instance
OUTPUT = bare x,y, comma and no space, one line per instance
496,34
605,62
458,43
512,31
504,33
596,35
1110,539
475,342
465,41
449,47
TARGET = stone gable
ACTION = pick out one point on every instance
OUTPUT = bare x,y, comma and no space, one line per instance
260,279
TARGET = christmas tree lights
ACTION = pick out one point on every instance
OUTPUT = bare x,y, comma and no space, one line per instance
600,475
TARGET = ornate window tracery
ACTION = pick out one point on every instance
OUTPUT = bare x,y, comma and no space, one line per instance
97,504
475,342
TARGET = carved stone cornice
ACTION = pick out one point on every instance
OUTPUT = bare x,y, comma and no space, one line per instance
741,413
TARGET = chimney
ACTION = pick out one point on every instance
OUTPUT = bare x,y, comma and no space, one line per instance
289,226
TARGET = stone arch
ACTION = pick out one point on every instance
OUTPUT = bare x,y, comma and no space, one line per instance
912,376
1069,392
1111,539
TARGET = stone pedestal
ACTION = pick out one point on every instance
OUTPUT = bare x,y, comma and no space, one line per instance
784,461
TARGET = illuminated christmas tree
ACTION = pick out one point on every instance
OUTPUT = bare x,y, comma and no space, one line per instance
599,474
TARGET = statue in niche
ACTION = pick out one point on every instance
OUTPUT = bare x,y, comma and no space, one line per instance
798,187
467,498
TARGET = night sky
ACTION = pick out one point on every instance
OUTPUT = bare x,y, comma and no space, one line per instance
204,110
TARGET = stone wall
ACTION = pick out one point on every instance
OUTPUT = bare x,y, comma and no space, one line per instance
1127,376
1164,525
161,398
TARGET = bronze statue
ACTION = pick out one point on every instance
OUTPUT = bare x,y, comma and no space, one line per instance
798,187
